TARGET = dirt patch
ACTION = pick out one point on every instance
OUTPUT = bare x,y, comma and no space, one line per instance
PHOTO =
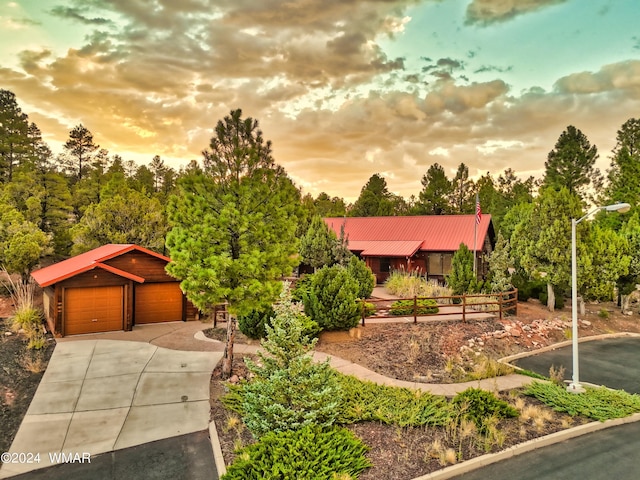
20,374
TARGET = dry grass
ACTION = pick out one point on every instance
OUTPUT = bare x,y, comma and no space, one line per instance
33,362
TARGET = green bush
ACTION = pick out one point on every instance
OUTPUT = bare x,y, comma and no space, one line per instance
363,401
310,453
369,308
480,405
461,278
253,324
27,318
302,288
331,301
363,276
424,306
596,403
289,391
527,288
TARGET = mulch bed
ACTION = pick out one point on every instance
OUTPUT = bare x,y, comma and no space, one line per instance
18,384
395,452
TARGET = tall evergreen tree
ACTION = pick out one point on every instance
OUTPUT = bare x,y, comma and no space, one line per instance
80,148
317,244
234,224
624,175
436,191
14,135
375,200
462,191
571,163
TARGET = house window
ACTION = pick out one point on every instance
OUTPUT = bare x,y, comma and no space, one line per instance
385,264
440,263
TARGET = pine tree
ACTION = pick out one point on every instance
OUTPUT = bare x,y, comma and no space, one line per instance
436,190
233,224
461,278
571,163
289,391
316,245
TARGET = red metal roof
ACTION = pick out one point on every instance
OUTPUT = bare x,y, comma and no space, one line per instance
89,260
385,248
436,233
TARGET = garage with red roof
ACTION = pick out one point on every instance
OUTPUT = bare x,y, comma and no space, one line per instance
112,287
424,244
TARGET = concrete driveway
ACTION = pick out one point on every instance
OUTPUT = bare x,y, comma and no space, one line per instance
102,395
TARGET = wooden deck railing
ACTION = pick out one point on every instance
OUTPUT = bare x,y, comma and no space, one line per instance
498,303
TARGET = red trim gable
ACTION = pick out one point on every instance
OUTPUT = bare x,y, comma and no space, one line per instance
89,260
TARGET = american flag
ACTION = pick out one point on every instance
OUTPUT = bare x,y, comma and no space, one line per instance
478,210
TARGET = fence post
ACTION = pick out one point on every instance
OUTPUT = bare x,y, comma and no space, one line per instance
362,309
415,310
464,307
500,305
516,300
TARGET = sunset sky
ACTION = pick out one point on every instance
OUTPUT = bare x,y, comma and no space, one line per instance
343,88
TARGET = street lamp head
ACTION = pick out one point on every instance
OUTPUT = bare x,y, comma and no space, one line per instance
618,207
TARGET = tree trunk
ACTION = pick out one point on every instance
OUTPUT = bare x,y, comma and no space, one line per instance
227,359
551,300
624,303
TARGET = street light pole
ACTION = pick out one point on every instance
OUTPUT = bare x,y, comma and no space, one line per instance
574,386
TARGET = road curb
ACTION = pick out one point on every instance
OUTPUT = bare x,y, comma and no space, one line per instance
490,458
217,450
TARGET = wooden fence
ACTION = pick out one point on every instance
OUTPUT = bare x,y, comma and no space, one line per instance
496,303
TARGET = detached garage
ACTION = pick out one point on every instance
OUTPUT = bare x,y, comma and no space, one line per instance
113,287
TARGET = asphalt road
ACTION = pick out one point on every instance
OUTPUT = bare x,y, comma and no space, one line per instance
607,454
613,362
604,455
187,457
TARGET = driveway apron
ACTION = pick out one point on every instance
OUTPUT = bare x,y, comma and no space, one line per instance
102,395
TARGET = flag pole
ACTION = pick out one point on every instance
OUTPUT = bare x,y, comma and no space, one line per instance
476,221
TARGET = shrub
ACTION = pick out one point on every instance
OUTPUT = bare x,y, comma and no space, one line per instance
424,306
253,324
331,301
461,277
479,406
527,288
412,284
369,308
289,391
311,453
303,286
363,401
363,276
596,403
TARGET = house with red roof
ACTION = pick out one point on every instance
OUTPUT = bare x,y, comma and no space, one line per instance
425,244
112,287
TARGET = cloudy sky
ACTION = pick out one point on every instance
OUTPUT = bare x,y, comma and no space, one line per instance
343,88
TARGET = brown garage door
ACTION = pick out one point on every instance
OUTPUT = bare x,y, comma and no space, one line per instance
92,309
158,302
